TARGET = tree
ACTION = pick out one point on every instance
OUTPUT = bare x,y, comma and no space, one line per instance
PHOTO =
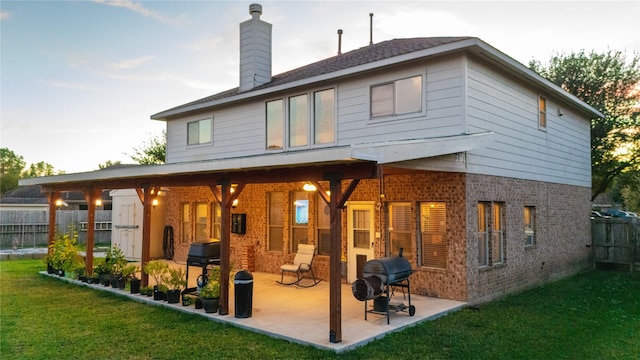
11,167
38,169
108,164
608,83
152,151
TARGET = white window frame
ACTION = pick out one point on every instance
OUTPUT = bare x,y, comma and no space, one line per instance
542,112
284,124
529,226
199,123
395,113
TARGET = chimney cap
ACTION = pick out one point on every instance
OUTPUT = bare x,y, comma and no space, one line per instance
255,9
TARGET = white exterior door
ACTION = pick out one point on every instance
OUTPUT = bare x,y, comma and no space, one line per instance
126,230
360,237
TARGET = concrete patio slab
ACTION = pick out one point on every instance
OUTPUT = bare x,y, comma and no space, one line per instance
301,315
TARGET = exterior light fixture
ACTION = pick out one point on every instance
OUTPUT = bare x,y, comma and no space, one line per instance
154,203
234,204
59,202
98,202
309,187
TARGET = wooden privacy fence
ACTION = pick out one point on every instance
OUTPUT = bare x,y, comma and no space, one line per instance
616,242
29,228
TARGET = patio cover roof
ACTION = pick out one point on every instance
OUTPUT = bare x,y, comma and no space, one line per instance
291,166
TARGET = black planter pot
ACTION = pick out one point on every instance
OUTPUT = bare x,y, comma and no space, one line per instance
173,296
157,294
122,283
60,273
198,303
211,305
135,286
186,299
82,278
50,269
104,280
113,281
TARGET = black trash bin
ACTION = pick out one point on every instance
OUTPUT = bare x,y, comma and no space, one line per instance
243,289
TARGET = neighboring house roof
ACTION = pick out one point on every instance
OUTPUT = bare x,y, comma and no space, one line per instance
32,194
377,56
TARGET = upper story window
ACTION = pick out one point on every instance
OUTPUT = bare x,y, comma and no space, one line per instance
307,122
275,124
324,116
396,98
542,115
298,121
199,132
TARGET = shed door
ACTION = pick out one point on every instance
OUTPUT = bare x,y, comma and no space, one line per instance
360,237
126,230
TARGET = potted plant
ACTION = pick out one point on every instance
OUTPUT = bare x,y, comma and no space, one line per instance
65,254
210,295
146,290
175,280
102,271
117,262
157,269
48,260
129,275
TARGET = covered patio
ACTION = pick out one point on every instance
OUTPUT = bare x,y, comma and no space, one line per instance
300,315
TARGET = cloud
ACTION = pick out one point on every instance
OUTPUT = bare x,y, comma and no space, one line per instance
132,63
66,85
138,8
4,15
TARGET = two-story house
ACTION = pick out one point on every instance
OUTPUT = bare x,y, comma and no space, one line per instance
474,165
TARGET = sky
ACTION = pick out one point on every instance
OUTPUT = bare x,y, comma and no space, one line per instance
79,80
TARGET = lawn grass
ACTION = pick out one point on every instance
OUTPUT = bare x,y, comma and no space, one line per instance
595,315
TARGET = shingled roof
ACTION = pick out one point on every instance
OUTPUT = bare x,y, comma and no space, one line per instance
364,55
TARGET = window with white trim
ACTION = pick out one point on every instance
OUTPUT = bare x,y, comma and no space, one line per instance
199,132
186,222
323,225
201,222
542,112
324,116
396,98
303,118
216,220
400,229
433,234
276,221
299,220
491,247
275,124
529,225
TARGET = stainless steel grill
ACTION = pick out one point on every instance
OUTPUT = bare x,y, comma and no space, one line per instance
380,278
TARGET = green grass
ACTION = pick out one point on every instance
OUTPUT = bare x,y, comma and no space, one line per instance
595,315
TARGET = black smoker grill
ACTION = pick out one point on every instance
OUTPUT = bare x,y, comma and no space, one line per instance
203,254
380,278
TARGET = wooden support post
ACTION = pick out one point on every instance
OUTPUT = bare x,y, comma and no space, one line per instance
90,196
225,245
146,230
335,255
53,207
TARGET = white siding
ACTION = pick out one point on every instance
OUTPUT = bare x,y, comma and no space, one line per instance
559,154
441,113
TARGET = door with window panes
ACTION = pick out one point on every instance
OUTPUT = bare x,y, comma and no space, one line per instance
360,237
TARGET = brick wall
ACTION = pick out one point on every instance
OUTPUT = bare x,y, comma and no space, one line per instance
562,233
561,230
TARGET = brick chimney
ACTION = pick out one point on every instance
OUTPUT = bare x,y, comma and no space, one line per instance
255,50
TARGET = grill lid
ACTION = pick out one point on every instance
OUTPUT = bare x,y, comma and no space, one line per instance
205,249
389,269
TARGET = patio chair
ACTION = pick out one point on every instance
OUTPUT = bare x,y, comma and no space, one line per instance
301,264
